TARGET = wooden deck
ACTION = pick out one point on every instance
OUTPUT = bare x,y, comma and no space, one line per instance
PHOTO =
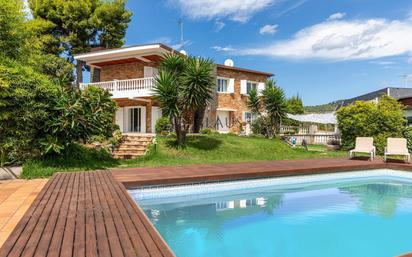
91,213
135,177
84,214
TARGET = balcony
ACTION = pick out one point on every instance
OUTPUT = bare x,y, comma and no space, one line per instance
128,88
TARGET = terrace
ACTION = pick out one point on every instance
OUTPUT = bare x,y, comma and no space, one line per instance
128,88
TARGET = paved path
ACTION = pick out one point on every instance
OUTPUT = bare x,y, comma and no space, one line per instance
16,196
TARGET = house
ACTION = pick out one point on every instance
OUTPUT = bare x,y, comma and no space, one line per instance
129,74
402,94
395,92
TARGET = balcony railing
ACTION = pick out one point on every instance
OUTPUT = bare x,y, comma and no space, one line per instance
126,88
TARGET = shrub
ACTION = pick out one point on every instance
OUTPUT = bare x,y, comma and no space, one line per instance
75,157
97,138
295,105
407,133
163,125
26,101
259,126
206,131
273,102
78,116
289,122
378,120
333,142
117,137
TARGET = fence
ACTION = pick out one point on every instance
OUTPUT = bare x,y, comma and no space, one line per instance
317,139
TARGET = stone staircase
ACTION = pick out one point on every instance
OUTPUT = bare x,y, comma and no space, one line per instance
132,146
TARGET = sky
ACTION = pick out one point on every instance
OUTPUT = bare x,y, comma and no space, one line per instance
323,50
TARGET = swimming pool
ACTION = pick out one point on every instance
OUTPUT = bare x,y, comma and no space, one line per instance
362,213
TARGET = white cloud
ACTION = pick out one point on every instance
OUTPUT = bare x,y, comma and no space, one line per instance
268,29
236,10
223,48
336,16
343,40
383,62
409,15
219,25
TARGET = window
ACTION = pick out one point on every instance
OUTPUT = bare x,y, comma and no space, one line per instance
249,117
250,86
95,75
222,85
150,72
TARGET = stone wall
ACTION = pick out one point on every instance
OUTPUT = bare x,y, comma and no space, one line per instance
124,71
235,101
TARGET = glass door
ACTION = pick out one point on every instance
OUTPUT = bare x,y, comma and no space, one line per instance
135,119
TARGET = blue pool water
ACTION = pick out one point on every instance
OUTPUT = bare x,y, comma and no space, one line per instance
337,217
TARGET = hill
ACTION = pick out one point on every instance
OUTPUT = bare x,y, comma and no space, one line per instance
329,107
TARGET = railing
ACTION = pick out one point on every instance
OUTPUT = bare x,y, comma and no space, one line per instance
293,130
317,139
126,88
304,130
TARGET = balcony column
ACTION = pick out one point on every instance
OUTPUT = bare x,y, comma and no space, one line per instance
79,73
149,128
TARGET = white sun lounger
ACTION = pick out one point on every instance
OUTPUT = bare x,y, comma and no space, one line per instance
363,145
397,146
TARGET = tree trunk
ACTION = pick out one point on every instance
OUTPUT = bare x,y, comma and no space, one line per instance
183,136
198,119
177,130
181,131
79,73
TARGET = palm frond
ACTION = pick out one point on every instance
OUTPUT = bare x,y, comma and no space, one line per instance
254,101
173,63
197,82
270,83
166,92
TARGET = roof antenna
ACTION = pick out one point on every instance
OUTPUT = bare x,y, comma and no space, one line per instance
182,42
406,78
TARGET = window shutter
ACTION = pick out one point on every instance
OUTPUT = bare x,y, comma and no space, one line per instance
148,72
261,87
231,86
243,90
155,72
120,119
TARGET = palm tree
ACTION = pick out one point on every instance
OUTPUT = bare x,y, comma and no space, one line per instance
184,86
254,102
275,103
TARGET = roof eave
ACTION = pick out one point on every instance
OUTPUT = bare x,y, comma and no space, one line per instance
245,70
123,52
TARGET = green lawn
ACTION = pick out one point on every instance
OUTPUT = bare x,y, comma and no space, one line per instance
199,149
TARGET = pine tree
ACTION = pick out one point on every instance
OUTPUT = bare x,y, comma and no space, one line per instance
78,25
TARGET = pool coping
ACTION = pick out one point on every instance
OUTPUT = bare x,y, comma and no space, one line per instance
118,180
170,175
